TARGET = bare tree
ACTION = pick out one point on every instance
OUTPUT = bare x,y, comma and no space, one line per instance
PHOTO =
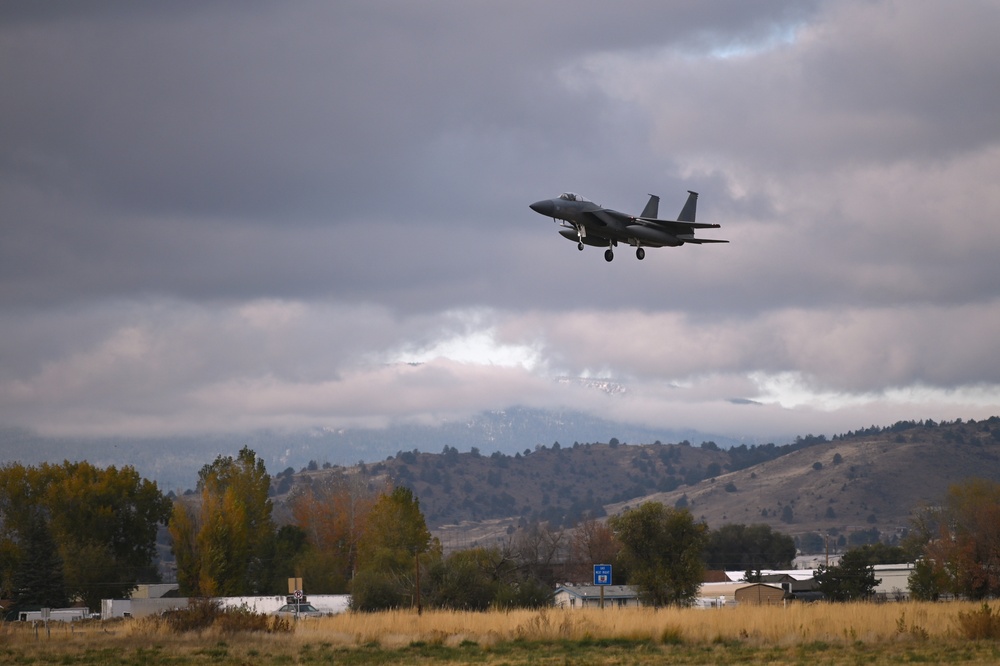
592,542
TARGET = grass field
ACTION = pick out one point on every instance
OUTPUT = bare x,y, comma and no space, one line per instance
799,634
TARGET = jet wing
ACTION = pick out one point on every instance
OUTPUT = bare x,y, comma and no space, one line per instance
684,231
676,226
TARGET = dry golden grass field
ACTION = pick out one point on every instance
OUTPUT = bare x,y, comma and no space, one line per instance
799,634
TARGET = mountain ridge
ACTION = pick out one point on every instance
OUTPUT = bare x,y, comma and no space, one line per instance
853,488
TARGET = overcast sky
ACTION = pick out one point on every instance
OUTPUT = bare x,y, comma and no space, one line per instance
222,216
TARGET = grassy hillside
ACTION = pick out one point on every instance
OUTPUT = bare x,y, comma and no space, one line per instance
874,479
558,485
852,487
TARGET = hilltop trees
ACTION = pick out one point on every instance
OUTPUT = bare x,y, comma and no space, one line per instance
96,528
227,547
661,548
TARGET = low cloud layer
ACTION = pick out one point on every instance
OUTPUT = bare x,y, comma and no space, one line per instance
234,216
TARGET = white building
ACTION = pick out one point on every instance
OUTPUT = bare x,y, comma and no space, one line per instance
589,596
114,608
895,583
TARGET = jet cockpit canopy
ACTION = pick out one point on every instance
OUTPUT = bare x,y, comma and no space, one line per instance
572,196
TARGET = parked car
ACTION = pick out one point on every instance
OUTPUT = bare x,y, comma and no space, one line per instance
298,610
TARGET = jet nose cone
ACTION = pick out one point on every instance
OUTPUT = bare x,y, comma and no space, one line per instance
545,207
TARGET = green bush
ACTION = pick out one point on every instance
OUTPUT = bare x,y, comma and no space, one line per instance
375,591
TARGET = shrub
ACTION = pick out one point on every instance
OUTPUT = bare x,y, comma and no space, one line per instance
202,614
199,614
977,625
372,591
245,620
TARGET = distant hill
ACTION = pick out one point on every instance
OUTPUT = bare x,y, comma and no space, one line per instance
173,462
853,486
480,479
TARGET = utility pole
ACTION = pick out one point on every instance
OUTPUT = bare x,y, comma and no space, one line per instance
416,559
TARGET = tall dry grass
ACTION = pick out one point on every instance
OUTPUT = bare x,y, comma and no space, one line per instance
796,624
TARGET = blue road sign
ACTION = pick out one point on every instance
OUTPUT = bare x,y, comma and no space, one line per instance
602,574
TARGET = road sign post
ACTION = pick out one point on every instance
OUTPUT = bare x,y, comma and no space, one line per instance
602,577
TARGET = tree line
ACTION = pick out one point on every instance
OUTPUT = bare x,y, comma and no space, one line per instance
78,532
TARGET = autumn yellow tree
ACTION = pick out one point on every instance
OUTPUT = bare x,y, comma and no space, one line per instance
225,546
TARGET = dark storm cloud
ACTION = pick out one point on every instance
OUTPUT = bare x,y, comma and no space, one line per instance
131,126
249,214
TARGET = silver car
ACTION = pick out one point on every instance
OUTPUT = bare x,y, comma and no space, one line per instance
298,610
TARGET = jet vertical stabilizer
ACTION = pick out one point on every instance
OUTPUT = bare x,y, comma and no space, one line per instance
690,206
652,207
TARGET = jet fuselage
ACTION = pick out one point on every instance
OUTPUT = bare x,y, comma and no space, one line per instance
591,224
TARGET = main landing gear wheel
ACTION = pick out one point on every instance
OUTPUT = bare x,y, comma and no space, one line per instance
640,254
608,255
579,246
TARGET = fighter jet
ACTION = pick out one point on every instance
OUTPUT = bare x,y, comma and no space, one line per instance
589,223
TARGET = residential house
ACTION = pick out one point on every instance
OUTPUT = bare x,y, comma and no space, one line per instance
589,596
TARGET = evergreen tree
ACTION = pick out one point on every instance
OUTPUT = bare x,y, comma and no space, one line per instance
39,581
853,579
